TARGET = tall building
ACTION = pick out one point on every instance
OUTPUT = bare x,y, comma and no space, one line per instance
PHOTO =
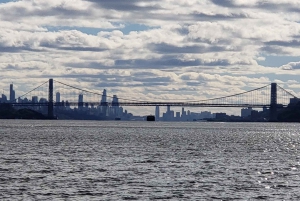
168,109
104,98
57,97
115,106
183,115
104,103
12,95
80,101
177,116
157,113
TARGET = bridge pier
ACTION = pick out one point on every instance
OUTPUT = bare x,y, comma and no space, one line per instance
50,100
273,105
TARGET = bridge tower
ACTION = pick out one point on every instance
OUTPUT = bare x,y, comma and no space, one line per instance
50,100
273,105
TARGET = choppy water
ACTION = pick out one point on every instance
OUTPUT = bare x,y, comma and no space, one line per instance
90,160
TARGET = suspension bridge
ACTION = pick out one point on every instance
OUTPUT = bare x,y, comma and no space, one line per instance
271,96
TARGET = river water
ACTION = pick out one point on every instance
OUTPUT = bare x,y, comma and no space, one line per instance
95,160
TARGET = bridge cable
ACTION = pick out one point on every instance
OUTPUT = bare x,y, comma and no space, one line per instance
32,90
100,94
289,93
231,95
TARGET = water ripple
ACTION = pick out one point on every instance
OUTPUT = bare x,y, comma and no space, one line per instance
85,160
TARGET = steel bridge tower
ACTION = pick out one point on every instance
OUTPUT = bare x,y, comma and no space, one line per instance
273,104
50,100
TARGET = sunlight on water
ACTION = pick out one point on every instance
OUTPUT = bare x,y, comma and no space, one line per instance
92,160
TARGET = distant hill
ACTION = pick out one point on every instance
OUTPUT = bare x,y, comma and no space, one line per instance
8,112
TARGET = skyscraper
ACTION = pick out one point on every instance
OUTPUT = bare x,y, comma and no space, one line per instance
168,109
104,98
157,113
115,105
169,114
80,101
12,95
104,104
57,97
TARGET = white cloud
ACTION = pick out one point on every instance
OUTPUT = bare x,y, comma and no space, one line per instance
291,66
185,49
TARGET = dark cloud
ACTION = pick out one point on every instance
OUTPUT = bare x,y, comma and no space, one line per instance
259,5
218,17
278,47
152,79
165,62
19,12
164,48
224,3
128,84
143,74
293,43
23,48
122,5
73,48
11,67
273,50
14,49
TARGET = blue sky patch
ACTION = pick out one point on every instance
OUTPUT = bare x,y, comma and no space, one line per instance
277,61
94,31
5,1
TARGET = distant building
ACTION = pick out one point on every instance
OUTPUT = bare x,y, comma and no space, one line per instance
221,115
57,97
43,100
80,101
104,103
168,108
183,115
68,106
157,113
34,99
3,99
171,115
177,116
255,114
294,101
246,112
205,114
115,106
104,98
12,95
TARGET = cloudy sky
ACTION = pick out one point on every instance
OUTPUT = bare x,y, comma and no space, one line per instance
151,49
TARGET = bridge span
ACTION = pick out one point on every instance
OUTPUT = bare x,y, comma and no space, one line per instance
271,96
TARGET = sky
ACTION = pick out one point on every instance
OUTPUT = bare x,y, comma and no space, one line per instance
153,50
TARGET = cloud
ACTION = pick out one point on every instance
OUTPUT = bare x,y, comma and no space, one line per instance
166,49
133,5
291,66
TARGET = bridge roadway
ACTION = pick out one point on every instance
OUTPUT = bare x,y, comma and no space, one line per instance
174,104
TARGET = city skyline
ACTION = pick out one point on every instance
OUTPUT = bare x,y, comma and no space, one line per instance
166,50
101,109
113,109
104,110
